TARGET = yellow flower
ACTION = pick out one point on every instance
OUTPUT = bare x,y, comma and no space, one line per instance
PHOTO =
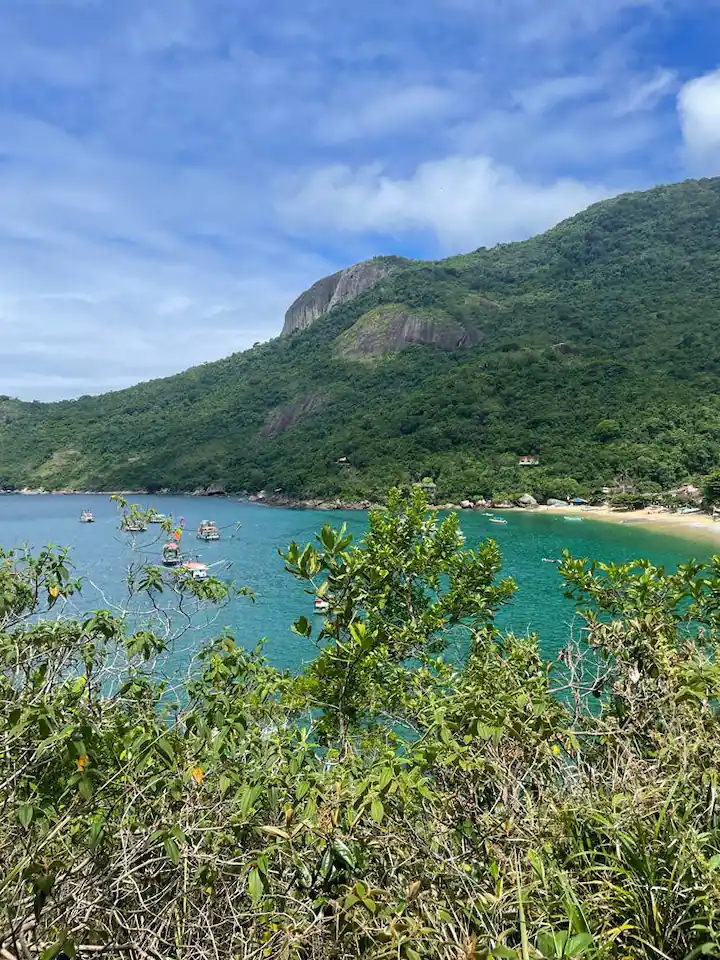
197,774
54,591
82,762
556,750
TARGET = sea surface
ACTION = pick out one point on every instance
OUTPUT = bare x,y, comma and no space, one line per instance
248,554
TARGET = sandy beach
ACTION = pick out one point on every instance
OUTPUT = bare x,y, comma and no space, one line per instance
695,526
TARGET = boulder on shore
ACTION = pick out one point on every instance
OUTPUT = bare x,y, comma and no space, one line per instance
553,502
527,500
466,504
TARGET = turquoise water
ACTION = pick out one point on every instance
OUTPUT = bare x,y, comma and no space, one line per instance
250,556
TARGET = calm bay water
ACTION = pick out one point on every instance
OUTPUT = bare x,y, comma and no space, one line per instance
102,555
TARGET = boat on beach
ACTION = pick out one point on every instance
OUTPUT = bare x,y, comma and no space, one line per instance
208,530
87,517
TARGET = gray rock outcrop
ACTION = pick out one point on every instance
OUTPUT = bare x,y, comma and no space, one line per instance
389,328
527,500
333,290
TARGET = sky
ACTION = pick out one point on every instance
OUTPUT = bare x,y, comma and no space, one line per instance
173,173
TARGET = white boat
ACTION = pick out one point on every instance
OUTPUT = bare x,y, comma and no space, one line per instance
196,569
171,556
208,530
497,520
321,605
157,518
86,517
573,519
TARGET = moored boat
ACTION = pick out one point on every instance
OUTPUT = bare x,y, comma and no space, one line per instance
208,530
87,517
321,605
196,569
157,518
497,520
171,556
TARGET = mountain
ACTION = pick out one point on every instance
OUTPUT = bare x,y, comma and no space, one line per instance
594,346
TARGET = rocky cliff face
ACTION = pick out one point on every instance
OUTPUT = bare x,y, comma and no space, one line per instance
391,327
333,290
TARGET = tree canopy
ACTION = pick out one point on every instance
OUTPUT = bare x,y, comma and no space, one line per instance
593,346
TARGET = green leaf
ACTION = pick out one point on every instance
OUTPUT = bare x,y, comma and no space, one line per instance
255,885
377,810
25,815
579,944
63,945
345,853
326,864
85,787
302,627
537,864
275,832
166,751
386,775
172,850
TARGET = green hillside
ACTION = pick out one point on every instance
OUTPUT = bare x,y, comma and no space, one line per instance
594,346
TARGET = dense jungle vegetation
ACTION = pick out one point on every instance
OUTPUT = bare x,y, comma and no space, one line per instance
594,346
427,788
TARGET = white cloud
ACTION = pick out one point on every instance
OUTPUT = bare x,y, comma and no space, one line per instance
142,145
113,271
646,94
386,111
699,110
464,200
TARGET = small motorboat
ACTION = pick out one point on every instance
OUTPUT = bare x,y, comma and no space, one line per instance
196,569
171,556
157,518
208,530
573,519
87,517
497,520
321,605
551,560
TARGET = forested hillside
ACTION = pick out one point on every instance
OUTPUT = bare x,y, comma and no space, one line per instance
593,346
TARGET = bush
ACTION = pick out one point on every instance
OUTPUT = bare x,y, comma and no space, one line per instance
404,796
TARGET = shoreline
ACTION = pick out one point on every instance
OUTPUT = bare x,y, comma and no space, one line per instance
698,526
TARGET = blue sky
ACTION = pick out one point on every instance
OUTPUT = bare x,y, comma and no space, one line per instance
174,172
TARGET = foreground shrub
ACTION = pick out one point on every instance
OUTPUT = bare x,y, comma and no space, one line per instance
428,787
